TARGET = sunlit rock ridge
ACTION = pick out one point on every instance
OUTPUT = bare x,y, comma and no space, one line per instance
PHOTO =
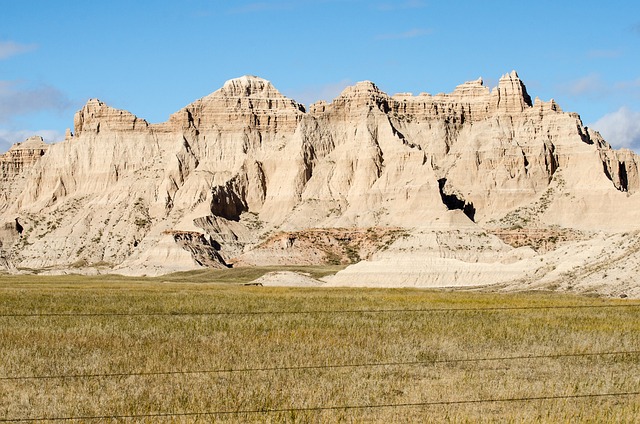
430,186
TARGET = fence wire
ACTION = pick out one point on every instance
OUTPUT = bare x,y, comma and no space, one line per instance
317,367
326,408
309,312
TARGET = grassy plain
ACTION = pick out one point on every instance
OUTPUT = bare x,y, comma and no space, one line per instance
155,336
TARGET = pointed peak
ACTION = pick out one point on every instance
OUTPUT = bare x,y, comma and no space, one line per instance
248,86
511,86
34,142
366,84
96,115
93,104
246,81
477,82
511,76
362,96
475,87
550,105
361,88
243,94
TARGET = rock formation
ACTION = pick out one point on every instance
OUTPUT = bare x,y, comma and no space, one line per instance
15,164
229,177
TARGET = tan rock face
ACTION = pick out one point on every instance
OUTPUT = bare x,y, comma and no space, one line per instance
21,156
233,168
15,165
95,116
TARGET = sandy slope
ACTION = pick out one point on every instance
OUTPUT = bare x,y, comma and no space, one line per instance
605,265
287,279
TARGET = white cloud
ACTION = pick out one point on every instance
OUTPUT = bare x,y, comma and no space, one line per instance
311,94
412,33
11,48
8,138
16,99
620,128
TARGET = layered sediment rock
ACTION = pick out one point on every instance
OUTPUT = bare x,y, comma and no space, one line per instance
15,165
21,156
229,170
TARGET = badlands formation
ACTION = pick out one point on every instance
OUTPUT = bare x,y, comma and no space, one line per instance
472,188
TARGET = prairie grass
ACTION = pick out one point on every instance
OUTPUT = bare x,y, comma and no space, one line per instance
171,325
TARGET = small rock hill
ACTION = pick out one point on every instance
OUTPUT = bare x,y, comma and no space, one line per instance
471,187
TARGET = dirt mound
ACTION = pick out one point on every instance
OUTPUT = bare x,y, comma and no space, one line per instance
286,279
318,246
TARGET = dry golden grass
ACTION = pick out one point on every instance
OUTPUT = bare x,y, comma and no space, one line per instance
58,345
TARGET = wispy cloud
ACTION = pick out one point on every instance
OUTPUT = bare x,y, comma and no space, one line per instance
8,138
16,99
604,54
590,85
636,28
629,87
620,128
311,94
594,87
412,33
401,5
11,48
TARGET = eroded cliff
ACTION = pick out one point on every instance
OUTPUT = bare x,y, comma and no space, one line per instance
213,184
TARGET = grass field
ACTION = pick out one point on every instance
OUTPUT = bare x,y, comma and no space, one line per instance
171,350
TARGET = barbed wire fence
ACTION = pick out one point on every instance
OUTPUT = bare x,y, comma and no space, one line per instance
326,408
311,312
621,394
319,367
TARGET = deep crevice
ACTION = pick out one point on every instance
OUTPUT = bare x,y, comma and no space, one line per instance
606,171
622,172
452,201
19,228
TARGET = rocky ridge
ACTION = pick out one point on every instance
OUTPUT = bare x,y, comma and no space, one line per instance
226,174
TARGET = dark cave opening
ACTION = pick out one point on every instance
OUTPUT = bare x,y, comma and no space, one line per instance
452,201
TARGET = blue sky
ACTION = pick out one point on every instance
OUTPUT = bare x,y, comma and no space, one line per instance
154,57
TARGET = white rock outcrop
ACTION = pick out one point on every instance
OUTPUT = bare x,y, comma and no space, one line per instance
232,169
